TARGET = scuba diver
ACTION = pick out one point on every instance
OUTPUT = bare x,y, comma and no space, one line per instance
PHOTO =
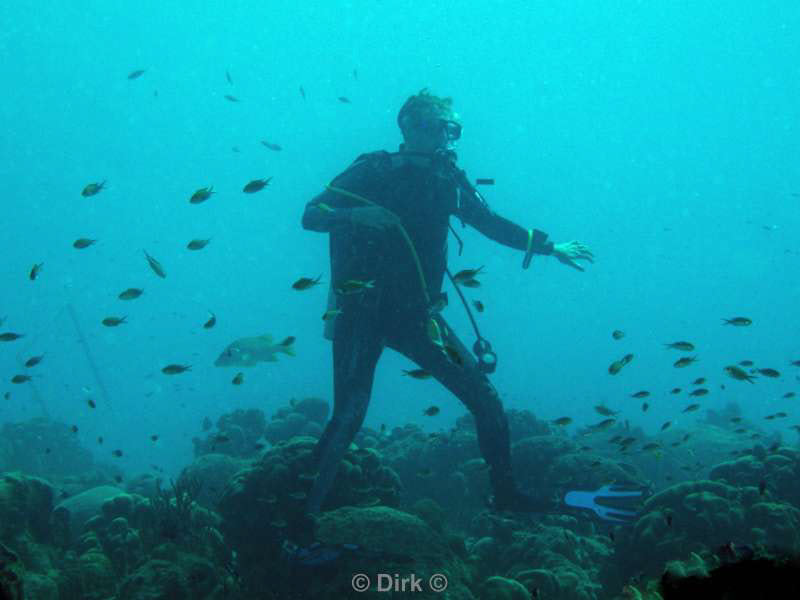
388,216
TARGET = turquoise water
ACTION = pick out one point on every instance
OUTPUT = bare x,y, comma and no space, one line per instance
663,135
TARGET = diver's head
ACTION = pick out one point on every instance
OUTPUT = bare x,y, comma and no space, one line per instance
428,123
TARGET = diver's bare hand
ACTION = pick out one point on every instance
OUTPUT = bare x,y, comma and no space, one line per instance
374,217
569,252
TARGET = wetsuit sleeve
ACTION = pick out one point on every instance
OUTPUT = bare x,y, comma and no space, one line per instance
474,211
329,210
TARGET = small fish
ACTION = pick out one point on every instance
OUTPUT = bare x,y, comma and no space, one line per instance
271,146
212,320
686,437
256,185
736,419
781,415
562,421
7,396
746,363
130,294
198,244
114,321
605,411
82,243
35,270
466,274
35,360
666,425
154,437
789,395
248,352
768,372
627,359
305,283
699,381
617,334
651,446
230,98
329,314
795,363
155,265
93,189
344,100
645,406
675,391
737,373
221,438
691,408
431,411
202,195
762,487
453,355
615,367
91,403
471,283
116,453
100,439
669,520
699,392
417,373
478,305
136,74
737,321
228,77
21,378
74,428
355,74
684,362
602,425
118,478
10,337
302,92
641,394
682,346
175,369
238,379
353,286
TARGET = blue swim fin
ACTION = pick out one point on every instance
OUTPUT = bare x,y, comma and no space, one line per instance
611,502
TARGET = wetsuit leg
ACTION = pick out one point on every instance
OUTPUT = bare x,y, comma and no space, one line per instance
357,346
471,386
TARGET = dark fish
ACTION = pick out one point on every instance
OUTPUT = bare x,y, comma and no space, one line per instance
471,283
7,396
684,362
175,369
466,274
484,181
211,321
453,355
288,341
675,391
155,265
736,419
302,92
699,392
478,305
202,195
615,367
271,146
82,243
669,520
118,478
354,286
605,411
305,283
699,381
762,487
198,244
92,189
691,408
21,378
10,337
666,425
238,379
789,395
795,363
35,270
562,421
154,437
230,98
207,424
344,100
136,74
114,321
682,346
417,373
627,359
746,363
130,294
74,428
329,314
100,439
737,321
116,453
228,77
645,406
91,403
738,374
235,149
256,185
617,334
35,360
431,411
769,372
355,74
641,394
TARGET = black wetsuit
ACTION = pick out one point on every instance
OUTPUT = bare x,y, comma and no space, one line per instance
393,312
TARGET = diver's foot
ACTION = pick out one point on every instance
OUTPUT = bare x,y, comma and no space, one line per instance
516,501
